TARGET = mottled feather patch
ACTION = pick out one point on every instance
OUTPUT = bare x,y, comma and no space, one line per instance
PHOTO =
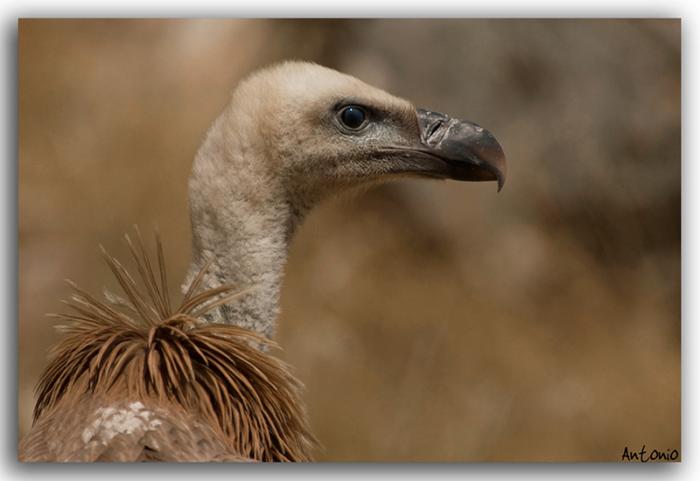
111,421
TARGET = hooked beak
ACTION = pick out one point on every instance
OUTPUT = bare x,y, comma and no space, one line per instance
468,151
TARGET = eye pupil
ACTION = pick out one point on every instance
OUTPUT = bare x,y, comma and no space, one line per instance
353,116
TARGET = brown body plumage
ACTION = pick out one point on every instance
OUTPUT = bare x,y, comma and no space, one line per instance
136,380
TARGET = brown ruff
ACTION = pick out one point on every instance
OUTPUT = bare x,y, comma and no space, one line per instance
213,394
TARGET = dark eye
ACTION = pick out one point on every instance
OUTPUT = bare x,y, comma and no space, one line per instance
353,117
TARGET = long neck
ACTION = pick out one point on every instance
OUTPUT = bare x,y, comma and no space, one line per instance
242,223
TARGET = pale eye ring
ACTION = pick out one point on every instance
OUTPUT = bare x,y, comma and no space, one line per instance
353,117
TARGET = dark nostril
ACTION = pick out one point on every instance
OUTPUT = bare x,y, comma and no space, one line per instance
433,128
353,117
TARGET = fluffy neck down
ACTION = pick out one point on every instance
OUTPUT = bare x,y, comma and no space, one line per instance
242,222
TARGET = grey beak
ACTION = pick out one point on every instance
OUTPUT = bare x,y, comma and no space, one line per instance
469,151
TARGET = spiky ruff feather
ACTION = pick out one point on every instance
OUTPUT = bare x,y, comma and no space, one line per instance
135,379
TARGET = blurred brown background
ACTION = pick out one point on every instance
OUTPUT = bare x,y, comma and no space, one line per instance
428,320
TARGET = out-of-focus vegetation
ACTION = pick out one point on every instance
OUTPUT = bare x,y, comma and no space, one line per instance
428,320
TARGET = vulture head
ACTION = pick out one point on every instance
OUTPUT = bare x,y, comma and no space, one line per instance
313,131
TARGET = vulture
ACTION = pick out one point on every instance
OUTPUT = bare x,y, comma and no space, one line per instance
137,378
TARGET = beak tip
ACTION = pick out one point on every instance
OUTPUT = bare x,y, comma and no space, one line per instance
501,180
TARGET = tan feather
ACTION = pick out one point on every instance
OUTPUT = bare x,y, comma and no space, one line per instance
175,365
